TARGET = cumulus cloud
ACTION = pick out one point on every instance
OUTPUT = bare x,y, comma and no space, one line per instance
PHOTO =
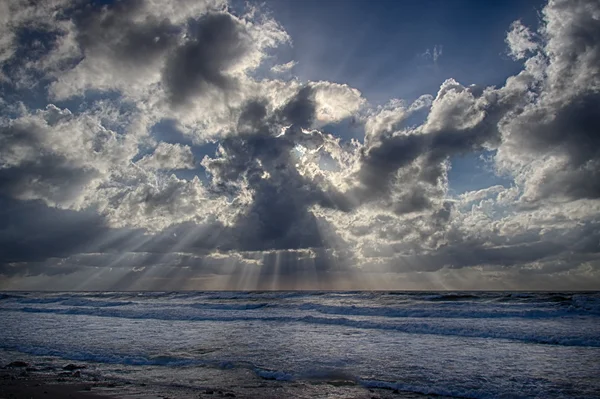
520,41
168,156
218,44
283,68
551,145
170,50
55,156
260,187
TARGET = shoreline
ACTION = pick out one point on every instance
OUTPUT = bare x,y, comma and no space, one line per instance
26,381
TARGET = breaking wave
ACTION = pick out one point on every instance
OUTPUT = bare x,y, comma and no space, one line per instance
418,327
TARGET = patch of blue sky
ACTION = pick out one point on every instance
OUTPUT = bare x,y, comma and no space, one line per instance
473,171
351,128
385,48
29,85
346,129
166,130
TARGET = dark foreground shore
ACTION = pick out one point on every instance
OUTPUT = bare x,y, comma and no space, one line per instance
27,385
19,380
26,389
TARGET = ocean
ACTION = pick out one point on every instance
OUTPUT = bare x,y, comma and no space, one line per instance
314,344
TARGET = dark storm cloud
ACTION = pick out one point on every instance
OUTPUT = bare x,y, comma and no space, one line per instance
49,176
217,41
300,110
258,147
16,137
573,130
567,247
38,173
461,120
36,240
278,217
252,116
31,231
379,162
261,148
562,121
113,31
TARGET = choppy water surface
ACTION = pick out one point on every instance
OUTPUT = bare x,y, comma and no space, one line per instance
476,345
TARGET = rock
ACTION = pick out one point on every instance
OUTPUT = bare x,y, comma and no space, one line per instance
71,367
17,363
209,392
77,374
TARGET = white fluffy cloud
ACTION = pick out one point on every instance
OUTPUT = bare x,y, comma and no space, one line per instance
551,144
520,41
168,156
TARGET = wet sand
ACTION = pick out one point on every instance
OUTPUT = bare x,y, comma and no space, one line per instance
27,382
26,389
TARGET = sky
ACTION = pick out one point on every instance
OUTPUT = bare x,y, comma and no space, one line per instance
378,145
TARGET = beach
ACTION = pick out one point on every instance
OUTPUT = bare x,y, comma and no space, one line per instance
17,383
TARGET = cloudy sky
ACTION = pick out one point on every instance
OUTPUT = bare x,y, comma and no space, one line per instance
184,144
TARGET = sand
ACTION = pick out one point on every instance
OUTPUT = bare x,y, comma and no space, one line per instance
26,389
22,383
31,382
19,383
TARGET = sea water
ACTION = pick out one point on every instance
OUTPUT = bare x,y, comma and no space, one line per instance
307,344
